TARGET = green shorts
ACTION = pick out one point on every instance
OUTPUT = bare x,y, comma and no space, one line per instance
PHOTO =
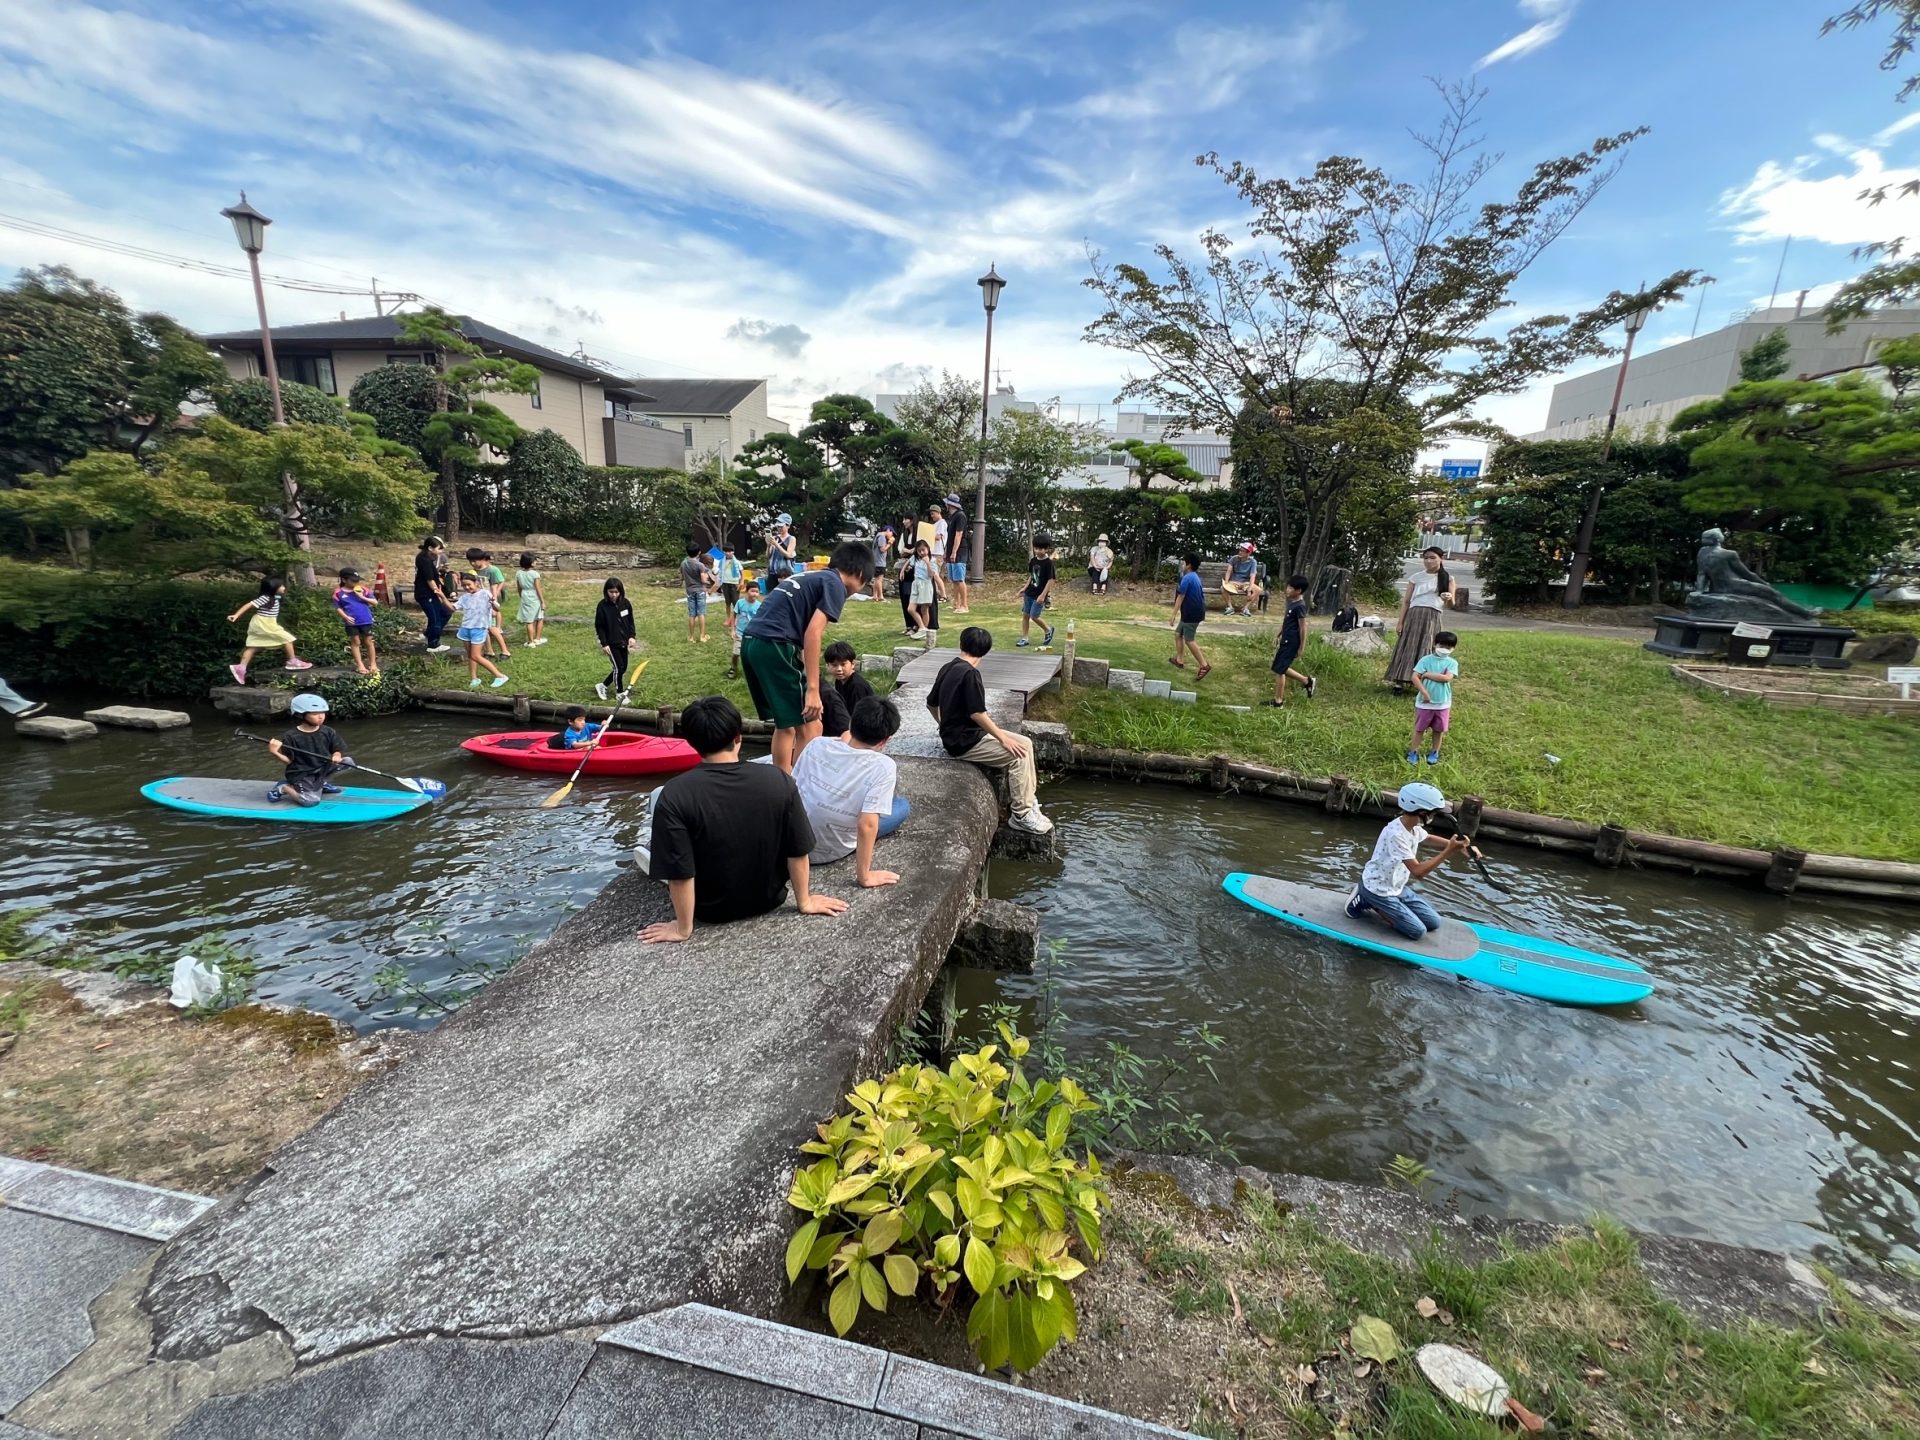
776,678
1189,629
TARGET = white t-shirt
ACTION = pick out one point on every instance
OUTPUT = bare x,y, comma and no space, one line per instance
1386,873
939,543
1426,593
838,784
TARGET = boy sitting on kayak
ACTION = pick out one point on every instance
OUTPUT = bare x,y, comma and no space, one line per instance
579,730
1386,884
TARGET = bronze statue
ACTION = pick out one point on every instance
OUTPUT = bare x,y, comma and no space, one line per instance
1725,588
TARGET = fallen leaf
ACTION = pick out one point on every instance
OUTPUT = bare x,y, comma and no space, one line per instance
1594,1374
1306,1375
1426,1307
1233,1408
1813,1366
1373,1339
1692,1351
1239,1315
1362,1369
1446,1317
1527,1419
1619,1345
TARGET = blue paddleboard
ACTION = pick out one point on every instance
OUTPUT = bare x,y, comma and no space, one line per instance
1503,959
247,800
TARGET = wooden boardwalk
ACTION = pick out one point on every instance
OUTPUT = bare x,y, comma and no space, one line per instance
1022,670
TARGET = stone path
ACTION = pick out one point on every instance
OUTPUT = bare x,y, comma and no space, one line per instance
688,1372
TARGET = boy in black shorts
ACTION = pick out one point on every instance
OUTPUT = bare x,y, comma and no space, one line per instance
1293,637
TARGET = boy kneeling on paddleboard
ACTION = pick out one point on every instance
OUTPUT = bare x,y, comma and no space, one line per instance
310,751
1386,884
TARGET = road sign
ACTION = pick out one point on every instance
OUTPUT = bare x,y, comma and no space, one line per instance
1460,469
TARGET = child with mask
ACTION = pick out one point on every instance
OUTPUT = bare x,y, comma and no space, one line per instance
1434,678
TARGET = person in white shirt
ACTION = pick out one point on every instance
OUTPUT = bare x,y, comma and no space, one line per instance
1386,884
847,787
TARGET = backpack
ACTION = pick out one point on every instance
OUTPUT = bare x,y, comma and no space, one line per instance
1346,618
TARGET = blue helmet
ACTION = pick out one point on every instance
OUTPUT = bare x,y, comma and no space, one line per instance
1421,796
307,703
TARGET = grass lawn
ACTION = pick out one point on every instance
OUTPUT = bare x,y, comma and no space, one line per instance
1634,745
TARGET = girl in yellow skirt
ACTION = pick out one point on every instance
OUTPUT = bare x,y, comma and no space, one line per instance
264,630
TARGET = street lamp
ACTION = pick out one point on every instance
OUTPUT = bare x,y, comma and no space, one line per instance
250,229
990,287
1583,540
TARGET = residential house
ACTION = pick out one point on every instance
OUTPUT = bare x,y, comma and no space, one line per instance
602,416
719,416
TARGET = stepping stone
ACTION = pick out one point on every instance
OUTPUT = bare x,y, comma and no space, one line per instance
255,702
55,727
1158,689
132,717
1185,697
1239,709
1132,681
878,664
1091,672
907,654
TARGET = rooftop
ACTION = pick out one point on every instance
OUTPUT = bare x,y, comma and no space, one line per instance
670,395
369,331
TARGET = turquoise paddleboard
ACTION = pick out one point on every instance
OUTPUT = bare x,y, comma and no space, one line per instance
1504,959
247,800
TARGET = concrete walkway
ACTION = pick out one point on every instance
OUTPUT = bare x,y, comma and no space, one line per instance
690,1372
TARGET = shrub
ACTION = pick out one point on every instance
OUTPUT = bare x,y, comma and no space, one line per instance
400,398
250,403
935,1175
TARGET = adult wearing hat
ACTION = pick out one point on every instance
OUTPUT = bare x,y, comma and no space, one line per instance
1100,564
1240,582
782,548
956,554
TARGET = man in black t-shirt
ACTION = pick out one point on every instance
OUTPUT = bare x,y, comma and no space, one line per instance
957,554
727,837
958,701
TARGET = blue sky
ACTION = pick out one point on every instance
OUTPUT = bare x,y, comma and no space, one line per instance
808,191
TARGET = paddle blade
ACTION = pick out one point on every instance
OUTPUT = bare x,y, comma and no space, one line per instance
639,668
432,789
554,799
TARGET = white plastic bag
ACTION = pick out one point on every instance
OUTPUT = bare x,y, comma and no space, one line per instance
194,982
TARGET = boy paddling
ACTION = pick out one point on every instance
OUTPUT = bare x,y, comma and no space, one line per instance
1386,884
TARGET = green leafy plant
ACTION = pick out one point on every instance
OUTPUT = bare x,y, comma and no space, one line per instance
18,940
1403,1172
937,1176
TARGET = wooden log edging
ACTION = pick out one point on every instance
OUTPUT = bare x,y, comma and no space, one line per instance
1784,871
523,709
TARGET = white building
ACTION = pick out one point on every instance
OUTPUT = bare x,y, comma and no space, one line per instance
718,416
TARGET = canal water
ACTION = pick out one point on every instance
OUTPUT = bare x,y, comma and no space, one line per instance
1765,1095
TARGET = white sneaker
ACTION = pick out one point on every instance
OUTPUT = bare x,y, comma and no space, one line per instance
1353,903
438,649
601,691
1031,821
916,634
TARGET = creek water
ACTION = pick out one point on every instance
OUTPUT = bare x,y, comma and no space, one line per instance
1765,1095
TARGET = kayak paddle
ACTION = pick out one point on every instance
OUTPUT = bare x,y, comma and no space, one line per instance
565,790
419,784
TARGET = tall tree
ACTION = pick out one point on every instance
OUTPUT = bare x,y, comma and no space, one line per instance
1145,514
1032,452
79,371
1395,288
461,427
1894,277
946,412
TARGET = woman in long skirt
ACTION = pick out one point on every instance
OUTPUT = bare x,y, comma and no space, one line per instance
1421,600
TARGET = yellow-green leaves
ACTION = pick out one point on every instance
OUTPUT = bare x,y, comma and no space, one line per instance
1373,1339
962,1173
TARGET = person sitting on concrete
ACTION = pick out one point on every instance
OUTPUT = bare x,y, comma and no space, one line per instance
843,663
958,701
728,838
848,789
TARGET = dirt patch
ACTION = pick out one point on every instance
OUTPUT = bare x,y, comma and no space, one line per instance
153,1095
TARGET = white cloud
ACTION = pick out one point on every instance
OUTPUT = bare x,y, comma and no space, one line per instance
1554,17
1210,65
1796,200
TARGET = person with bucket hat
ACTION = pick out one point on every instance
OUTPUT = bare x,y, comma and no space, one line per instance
782,548
956,554
1100,564
1386,883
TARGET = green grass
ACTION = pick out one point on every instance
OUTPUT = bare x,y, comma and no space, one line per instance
1576,1327
1635,746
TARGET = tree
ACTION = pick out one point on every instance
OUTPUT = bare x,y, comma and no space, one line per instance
458,428
250,403
1767,360
1396,289
542,477
701,506
1032,451
846,451
79,371
1146,514
1895,278
214,499
400,398
946,413
1827,475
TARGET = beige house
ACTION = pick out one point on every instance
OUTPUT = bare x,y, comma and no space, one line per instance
602,416
710,415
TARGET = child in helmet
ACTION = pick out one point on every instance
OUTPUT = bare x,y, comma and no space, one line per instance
311,753
1386,884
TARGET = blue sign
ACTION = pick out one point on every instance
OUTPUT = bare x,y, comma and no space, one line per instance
1460,469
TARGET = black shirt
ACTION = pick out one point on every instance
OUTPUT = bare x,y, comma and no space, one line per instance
731,830
309,755
958,695
613,623
853,690
426,574
1291,628
956,536
1039,575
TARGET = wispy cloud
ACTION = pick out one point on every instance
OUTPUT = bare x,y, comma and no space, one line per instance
1552,19
1208,68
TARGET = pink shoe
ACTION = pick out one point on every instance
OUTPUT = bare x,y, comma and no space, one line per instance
239,673
299,664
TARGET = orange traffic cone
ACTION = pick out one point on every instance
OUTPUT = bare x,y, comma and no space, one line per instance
380,584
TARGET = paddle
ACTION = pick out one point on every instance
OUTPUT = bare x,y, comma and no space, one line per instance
1445,826
586,754
419,784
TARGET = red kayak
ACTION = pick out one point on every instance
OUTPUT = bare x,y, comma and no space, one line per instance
620,752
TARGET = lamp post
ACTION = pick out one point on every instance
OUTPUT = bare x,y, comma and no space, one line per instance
250,229
990,287
1583,540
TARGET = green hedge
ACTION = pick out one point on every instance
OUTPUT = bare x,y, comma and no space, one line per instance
150,638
